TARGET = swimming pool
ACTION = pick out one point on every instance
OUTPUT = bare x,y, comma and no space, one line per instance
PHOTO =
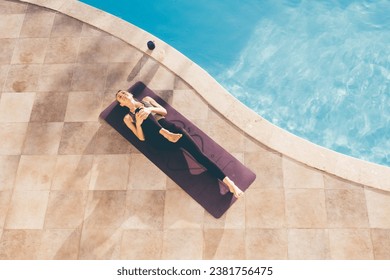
319,69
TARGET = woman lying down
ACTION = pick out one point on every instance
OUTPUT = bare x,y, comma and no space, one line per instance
146,119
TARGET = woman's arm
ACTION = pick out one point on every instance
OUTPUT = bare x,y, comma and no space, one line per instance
157,108
135,127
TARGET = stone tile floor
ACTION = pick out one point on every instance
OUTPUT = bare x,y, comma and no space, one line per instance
72,188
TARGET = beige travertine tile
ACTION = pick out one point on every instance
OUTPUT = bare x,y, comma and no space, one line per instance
181,84
234,218
90,31
27,210
141,170
10,25
31,8
182,244
20,244
109,97
94,17
141,244
378,206
190,104
100,244
350,244
72,172
119,76
332,182
78,138
132,73
109,141
346,208
381,243
83,106
3,76
62,50
95,49
56,77
268,169
266,244
89,77
167,96
181,211
59,244
8,168
23,78
265,208
16,107
43,138
305,208
203,125
105,209
7,48
171,185
229,137
5,198
65,209
127,53
65,26
37,24
49,107
9,7
224,244
144,209
12,137
30,51
239,157
110,172
308,244
35,172
296,175
161,79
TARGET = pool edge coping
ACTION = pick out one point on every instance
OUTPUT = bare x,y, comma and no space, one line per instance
277,139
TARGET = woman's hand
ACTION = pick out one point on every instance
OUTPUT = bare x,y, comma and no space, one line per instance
142,115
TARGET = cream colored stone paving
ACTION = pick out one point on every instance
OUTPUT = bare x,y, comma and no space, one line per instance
72,188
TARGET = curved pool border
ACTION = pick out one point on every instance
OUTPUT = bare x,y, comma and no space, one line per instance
256,127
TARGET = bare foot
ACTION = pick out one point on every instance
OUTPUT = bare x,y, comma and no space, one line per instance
233,188
172,137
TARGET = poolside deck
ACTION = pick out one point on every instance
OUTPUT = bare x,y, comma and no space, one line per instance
72,188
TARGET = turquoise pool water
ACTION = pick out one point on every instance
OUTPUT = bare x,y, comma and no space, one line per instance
319,69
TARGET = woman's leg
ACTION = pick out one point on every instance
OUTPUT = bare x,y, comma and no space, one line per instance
150,124
187,142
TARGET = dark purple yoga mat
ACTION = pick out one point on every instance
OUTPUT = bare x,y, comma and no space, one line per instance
179,165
